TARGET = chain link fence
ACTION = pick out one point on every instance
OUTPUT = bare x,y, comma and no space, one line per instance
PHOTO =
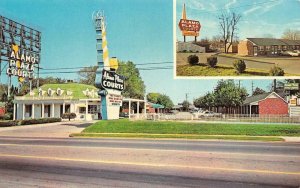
254,118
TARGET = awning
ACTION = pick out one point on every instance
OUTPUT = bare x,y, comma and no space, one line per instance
157,106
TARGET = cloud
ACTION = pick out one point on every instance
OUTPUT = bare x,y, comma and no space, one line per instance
228,5
251,10
270,6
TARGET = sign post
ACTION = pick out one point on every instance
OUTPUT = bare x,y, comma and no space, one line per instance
189,27
109,82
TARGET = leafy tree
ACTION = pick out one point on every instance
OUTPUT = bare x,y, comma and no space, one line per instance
134,85
88,75
162,99
185,105
153,97
227,94
258,91
165,101
205,101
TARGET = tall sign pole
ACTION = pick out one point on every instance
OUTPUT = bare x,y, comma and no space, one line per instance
108,81
189,27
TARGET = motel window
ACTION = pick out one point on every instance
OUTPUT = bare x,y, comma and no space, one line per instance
284,47
92,109
28,110
81,110
279,47
261,48
268,48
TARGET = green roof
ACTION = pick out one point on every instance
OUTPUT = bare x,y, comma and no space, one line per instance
75,88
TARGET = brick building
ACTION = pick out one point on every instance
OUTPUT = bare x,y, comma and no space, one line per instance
266,46
265,104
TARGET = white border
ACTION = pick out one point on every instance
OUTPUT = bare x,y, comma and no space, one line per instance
214,77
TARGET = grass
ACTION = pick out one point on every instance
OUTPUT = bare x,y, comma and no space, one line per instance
169,129
219,70
178,136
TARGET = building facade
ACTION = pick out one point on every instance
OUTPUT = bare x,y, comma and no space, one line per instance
53,100
266,46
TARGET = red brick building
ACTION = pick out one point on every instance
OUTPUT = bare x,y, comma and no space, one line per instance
266,46
265,104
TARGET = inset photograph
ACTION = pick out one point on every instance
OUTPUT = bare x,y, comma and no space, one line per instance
230,38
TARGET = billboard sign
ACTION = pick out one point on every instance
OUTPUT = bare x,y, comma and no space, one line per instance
20,46
189,27
112,80
291,86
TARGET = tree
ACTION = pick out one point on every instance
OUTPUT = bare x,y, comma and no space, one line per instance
207,101
185,105
153,97
165,101
227,94
162,99
134,85
291,34
87,75
228,26
258,91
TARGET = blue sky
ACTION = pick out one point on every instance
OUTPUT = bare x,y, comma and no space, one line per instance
138,30
260,18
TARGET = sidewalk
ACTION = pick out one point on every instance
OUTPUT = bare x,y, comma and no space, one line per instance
52,130
291,139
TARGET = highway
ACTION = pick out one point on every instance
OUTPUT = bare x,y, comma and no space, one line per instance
80,162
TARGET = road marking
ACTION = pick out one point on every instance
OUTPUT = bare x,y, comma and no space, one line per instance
150,149
150,164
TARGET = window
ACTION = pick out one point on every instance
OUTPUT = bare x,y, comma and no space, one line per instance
92,109
261,48
81,110
268,48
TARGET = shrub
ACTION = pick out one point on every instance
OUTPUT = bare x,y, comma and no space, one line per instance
8,116
8,123
239,66
69,116
212,61
38,121
193,60
276,71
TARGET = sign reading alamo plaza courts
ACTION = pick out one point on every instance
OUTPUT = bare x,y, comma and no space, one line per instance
20,47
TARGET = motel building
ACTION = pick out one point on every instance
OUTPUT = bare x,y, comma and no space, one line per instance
266,46
53,100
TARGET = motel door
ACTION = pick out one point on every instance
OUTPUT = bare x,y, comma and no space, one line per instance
255,49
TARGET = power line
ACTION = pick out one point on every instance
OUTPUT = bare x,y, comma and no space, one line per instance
70,68
140,69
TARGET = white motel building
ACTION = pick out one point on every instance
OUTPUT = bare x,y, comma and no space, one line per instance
53,100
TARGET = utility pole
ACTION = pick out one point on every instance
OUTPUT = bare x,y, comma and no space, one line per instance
252,86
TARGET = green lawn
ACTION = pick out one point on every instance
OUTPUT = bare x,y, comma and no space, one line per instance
177,128
219,70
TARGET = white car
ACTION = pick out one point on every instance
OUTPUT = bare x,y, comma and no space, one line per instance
209,114
289,53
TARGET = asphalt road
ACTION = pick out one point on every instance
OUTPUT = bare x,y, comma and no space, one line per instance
71,162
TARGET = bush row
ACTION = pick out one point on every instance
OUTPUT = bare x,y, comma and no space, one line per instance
29,122
238,65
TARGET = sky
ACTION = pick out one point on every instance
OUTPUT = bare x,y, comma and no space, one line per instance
140,31
260,18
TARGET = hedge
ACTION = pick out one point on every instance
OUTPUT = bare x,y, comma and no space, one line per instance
28,122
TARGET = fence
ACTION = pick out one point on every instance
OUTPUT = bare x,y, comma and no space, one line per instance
254,118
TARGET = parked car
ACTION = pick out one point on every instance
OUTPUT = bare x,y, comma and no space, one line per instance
124,115
289,53
297,51
209,114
